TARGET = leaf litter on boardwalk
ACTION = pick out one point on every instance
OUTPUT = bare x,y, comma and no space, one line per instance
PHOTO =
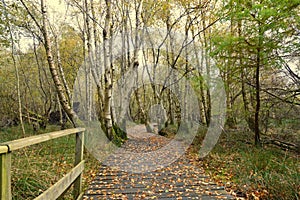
179,179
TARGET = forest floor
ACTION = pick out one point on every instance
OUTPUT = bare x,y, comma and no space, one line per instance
235,164
251,172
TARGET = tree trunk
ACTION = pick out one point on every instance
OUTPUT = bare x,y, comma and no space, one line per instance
53,69
207,64
135,65
61,71
107,73
257,88
88,77
18,81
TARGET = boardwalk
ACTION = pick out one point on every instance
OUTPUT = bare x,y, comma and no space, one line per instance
180,180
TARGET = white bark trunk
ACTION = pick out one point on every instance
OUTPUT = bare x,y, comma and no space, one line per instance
53,69
107,72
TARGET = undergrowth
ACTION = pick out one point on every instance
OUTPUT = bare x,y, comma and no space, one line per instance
250,172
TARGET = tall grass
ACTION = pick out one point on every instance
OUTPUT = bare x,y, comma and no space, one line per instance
264,173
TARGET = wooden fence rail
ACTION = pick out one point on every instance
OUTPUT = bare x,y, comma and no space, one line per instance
56,190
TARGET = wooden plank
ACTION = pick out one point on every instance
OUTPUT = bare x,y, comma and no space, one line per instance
79,147
5,176
24,142
80,196
58,188
3,149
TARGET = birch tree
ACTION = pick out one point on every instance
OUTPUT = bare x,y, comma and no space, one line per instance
107,114
53,68
16,69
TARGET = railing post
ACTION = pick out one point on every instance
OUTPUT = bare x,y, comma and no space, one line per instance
79,147
5,176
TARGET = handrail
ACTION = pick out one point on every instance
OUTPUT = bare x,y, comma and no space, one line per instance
56,190
28,141
63,184
3,149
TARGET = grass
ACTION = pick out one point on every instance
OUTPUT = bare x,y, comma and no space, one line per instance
36,168
255,173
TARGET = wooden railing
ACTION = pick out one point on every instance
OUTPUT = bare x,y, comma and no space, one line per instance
60,187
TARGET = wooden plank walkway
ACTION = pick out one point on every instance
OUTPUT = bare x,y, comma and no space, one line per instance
180,180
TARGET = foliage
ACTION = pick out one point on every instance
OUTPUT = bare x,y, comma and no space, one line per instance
71,48
253,53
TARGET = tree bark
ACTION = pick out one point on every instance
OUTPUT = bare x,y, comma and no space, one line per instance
88,77
257,88
61,71
53,69
207,98
107,73
18,84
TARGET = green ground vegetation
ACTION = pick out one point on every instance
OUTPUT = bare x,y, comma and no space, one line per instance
252,172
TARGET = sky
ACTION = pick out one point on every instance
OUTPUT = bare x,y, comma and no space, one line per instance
57,10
